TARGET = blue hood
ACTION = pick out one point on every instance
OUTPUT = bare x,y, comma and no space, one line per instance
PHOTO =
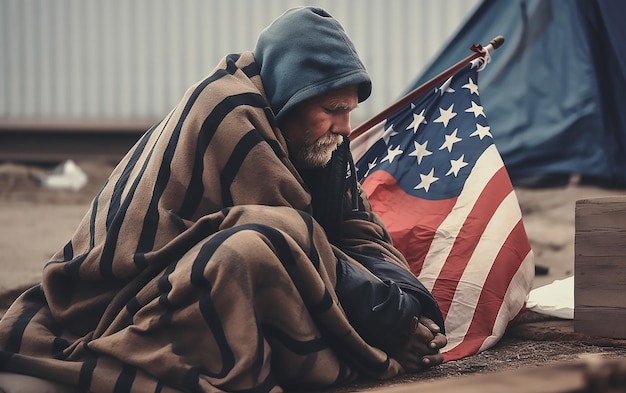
305,53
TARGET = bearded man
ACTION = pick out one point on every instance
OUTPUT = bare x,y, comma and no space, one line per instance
232,248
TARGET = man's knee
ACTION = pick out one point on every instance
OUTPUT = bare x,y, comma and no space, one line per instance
242,249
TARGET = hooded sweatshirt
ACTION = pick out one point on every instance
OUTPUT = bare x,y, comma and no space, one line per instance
305,53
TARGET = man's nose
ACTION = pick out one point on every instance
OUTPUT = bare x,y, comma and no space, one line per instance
342,125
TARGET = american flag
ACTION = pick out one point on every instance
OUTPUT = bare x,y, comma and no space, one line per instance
434,175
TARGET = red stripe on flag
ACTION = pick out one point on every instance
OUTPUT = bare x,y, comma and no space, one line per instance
506,265
491,197
411,222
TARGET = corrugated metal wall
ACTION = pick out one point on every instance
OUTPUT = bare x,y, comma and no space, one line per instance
87,60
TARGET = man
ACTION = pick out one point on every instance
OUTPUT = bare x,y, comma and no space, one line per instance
232,248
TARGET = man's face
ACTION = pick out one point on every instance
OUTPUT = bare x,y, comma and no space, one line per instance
316,127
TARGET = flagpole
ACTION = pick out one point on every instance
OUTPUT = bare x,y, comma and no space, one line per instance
479,51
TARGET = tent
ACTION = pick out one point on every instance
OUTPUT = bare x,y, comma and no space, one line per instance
555,92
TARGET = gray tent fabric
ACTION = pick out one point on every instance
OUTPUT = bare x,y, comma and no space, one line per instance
555,92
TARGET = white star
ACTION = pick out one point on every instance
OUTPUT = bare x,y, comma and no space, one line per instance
370,166
451,139
389,132
417,120
482,131
445,115
471,86
420,151
391,154
445,88
476,110
427,180
456,165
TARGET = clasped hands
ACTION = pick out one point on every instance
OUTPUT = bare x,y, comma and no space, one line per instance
423,347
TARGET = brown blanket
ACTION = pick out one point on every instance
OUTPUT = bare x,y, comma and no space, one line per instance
199,266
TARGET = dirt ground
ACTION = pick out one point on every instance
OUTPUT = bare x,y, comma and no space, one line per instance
35,222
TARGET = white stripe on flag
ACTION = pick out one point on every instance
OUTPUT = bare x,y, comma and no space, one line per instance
486,166
361,144
471,284
514,300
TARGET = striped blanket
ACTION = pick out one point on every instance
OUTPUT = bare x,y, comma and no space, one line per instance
199,266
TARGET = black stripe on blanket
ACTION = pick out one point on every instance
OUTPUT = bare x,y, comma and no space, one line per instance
165,287
244,146
36,297
251,70
148,233
68,251
17,330
295,346
86,374
207,131
312,252
119,186
125,380
191,381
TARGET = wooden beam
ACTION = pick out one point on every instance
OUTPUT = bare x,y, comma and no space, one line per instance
593,374
600,267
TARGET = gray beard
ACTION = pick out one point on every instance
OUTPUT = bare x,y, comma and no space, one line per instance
319,153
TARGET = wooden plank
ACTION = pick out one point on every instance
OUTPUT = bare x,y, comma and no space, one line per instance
601,242
600,321
600,281
600,297
600,267
591,375
602,213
